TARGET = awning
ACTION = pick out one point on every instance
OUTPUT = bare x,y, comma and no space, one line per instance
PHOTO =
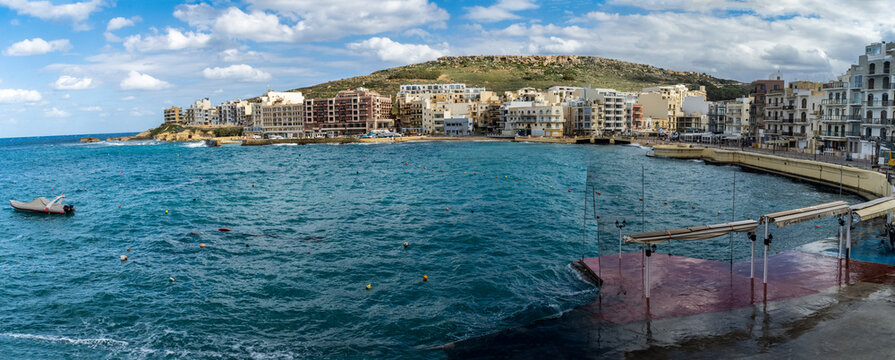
874,208
692,233
795,216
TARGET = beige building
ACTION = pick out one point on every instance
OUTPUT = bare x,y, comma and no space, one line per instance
661,105
278,115
526,118
174,115
793,113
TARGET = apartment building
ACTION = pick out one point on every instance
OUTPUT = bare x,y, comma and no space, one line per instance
351,112
792,114
174,115
201,113
662,104
759,90
277,115
527,118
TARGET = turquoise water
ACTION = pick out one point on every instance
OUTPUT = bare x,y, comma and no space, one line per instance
313,225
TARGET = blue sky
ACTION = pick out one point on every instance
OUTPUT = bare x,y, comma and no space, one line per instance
89,66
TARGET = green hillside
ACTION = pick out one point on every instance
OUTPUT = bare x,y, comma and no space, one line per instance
507,73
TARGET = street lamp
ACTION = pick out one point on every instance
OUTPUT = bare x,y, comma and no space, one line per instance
620,226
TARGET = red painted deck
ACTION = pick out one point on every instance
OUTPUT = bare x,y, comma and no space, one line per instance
684,286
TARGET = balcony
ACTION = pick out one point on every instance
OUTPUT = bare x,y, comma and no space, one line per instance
833,102
840,134
788,107
835,85
879,103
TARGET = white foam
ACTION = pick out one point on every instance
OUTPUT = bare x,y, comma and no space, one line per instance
194,144
128,143
65,339
640,146
285,144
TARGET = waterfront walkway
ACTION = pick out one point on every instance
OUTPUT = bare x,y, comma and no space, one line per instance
682,286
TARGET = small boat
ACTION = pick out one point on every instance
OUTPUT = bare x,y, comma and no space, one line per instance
212,143
42,205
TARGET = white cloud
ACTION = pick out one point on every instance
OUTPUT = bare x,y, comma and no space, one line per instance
66,82
502,10
173,40
742,40
56,113
241,72
139,81
37,46
392,51
311,20
77,12
91,108
233,55
15,96
121,22
128,98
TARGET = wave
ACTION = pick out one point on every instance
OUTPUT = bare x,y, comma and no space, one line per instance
285,144
194,144
68,340
129,143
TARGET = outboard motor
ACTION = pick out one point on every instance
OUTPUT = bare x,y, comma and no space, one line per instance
68,209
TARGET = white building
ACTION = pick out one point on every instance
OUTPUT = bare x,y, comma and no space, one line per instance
201,113
526,118
278,115
461,126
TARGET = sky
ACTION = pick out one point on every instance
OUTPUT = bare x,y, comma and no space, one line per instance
103,66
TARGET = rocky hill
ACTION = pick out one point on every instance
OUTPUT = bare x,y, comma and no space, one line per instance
506,73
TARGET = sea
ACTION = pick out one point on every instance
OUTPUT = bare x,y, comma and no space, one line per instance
315,265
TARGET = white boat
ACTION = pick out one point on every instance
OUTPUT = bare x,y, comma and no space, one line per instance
42,205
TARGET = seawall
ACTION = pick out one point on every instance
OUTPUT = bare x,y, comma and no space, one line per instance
866,183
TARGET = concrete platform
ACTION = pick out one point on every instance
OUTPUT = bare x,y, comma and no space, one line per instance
683,286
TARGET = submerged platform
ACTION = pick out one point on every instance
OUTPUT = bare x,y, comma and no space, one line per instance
682,286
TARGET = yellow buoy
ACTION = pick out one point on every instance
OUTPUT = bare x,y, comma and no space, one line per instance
551,186
406,244
369,286
719,211
425,278
166,211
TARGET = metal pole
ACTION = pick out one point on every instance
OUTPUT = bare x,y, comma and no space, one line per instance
648,253
767,247
732,213
848,236
619,243
642,197
841,235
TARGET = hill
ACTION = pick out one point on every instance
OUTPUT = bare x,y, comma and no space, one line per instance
507,73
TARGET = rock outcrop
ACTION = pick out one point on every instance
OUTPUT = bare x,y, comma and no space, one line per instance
90,140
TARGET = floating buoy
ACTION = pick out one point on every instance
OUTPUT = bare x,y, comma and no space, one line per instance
447,209
666,203
816,226
247,244
202,245
598,216
425,278
598,193
253,185
330,196
472,211
406,244
166,211
641,199
123,257
171,279
551,186
692,207
369,286
538,183
128,249
223,229
570,190
748,218
505,177
719,212
616,196
405,163
119,206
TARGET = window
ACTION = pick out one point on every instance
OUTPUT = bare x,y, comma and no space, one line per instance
871,69
870,83
804,103
886,67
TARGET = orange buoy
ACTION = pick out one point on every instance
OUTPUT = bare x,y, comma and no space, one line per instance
202,245
816,226
598,193
570,190
692,207
425,278
223,230
447,209
405,163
